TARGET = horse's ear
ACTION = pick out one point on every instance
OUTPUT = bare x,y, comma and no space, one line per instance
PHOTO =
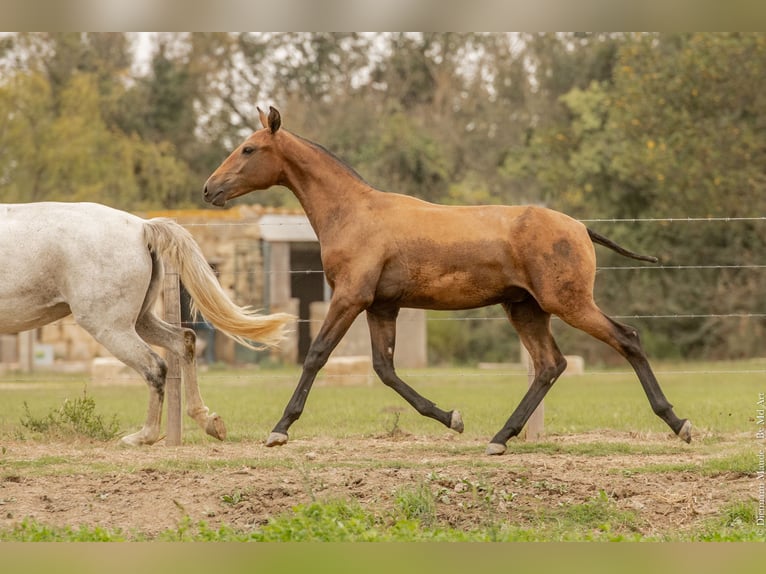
275,120
264,121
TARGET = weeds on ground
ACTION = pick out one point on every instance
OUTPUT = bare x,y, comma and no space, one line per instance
348,521
737,523
75,417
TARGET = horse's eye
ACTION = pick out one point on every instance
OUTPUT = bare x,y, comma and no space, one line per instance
247,150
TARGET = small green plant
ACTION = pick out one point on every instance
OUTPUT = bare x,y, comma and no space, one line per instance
333,521
737,522
76,417
417,504
31,531
396,431
551,487
600,514
234,498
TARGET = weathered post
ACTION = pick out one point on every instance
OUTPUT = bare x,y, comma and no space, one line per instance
26,342
535,423
172,302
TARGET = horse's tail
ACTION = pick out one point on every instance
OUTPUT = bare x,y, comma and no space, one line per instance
244,325
601,240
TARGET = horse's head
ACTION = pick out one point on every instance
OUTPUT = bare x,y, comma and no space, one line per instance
254,165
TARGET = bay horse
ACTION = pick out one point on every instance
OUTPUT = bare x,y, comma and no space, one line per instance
105,267
383,251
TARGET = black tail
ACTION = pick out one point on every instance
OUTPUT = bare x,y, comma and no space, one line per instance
601,240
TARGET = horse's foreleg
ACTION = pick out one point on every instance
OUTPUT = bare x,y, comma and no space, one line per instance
340,316
383,339
150,432
533,326
135,353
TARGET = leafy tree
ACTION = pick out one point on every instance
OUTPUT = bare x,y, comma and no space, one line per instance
600,126
674,133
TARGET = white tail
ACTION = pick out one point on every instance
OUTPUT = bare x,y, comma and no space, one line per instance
244,325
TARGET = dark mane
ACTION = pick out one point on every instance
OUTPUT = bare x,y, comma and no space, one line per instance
338,160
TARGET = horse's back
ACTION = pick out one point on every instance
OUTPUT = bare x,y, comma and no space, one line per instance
58,257
52,236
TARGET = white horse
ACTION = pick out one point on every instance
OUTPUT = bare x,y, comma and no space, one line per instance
104,266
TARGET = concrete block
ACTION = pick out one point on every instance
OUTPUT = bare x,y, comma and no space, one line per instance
347,371
575,365
108,370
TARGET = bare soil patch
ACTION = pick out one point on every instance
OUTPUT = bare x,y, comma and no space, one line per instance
153,489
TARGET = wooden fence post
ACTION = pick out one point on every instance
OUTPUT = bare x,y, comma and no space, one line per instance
26,346
172,301
536,422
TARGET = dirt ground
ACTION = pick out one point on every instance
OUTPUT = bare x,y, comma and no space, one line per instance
152,489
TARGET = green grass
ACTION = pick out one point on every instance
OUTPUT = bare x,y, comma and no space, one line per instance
743,462
718,399
348,521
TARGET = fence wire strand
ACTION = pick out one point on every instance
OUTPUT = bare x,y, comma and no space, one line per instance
504,372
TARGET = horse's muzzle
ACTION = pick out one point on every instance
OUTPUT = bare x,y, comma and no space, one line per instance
214,195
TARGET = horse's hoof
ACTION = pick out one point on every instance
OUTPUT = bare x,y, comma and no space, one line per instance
276,439
456,424
495,449
135,439
215,427
686,431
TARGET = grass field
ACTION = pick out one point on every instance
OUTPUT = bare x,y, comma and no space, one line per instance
624,439
717,397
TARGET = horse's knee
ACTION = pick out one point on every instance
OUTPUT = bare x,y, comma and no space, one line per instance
548,373
316,357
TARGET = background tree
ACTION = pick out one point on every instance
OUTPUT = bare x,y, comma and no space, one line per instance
601,126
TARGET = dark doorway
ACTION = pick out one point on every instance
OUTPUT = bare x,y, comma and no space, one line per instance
307,284
205,331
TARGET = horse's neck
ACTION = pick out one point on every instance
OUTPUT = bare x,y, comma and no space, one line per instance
327,189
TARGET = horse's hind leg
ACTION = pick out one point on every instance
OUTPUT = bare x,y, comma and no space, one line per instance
625,340
129,348
182,343
383,337
533,326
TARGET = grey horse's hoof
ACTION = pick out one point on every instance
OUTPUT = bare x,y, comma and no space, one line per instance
215,427
456,424
686,431
495,449
276,439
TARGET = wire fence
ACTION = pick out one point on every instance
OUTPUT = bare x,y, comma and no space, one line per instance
753,267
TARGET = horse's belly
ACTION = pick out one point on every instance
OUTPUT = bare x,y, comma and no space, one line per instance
451,291
26,313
